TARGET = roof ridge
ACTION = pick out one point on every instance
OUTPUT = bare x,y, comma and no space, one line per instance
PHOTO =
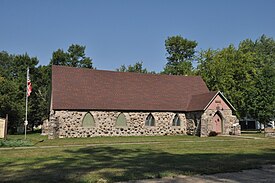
206,93
110,71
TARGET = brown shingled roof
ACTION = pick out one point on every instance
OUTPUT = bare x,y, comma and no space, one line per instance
202,101
199,102
87,89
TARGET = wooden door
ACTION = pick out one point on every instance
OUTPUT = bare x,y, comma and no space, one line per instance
217,123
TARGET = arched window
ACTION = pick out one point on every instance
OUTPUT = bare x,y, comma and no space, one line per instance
121,120
176,120
88,120
150,120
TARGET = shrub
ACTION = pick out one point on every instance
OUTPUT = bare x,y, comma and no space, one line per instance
212,134
15,143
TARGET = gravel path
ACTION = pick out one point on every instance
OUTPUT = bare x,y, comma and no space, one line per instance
266,174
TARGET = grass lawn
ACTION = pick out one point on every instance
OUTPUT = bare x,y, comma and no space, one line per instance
123,158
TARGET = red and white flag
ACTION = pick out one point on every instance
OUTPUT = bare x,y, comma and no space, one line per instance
29,84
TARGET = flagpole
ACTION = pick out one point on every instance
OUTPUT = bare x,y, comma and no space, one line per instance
26,119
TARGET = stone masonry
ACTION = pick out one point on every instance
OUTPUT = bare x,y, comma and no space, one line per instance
230,123
69,124
64,124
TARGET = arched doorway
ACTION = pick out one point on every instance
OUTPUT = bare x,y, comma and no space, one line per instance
217,123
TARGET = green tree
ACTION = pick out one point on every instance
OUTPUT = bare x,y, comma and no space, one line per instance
231,72
59,57
137,67
182,68
6,61
264,95
74,57
245,75
181,53
179,49
40,96
264,110
11,103
13,88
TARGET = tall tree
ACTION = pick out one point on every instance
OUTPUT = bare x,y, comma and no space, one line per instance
74,57
180,52
245,74
179,49
137,67
6,61
264,95
11,103
40,97
59,57
13,86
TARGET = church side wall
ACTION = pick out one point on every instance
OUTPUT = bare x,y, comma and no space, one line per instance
69,124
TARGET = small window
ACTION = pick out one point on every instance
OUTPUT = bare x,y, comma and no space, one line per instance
121,120
176,120
150,120
88,120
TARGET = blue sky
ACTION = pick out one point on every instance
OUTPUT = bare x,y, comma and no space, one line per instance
117,32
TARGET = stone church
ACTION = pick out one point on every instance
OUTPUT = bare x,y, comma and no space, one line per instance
89,103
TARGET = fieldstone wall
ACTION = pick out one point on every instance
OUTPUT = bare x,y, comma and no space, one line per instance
45,127
69,124
230,123
53,125
193,123
63,124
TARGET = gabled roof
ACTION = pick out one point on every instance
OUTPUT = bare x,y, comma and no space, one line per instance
87,89
202,101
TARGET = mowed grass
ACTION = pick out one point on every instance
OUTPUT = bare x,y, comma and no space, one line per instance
114,159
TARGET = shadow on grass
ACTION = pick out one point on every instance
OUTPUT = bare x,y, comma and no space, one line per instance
251,132
119,164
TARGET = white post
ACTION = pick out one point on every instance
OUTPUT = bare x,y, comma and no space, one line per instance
26,119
